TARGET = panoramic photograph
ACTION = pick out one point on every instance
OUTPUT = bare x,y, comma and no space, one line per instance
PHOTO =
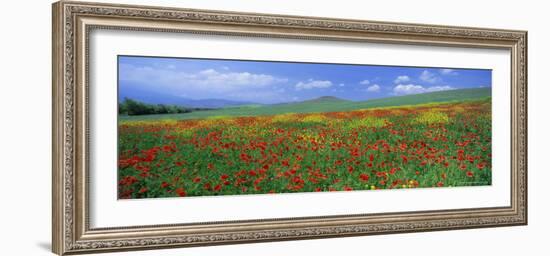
208,127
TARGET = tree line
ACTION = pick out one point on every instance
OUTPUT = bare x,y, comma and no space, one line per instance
133,107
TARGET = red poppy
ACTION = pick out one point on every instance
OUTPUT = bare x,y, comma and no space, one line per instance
364,177
245,157
218,187
469,174
143,190
285,163
164,184
128,180
180,192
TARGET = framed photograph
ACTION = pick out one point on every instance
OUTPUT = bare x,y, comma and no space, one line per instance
179,127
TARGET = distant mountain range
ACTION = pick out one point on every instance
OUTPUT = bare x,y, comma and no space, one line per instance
157,98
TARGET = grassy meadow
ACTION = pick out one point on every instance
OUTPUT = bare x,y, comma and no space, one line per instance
326,144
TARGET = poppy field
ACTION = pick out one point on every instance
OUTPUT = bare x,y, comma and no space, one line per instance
402,147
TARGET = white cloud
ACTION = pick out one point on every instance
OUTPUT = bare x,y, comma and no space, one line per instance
403,89
401,79
406,89
201,84
373,88
310,84
448,71
211,77
428,77
208,79
365,82
439,88
342,85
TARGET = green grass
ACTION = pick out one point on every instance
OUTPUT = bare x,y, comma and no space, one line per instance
431,145
328,104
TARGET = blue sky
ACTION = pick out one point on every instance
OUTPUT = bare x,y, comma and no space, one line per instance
275,82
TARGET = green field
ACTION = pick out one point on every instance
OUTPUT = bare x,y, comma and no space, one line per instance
327,104
399,147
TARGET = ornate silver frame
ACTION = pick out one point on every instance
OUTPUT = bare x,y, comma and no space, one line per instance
72,22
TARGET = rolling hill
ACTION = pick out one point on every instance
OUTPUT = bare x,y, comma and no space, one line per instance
325,99
328,104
